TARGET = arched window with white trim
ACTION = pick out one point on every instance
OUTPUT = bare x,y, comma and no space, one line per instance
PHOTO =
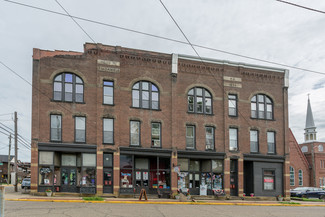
68,87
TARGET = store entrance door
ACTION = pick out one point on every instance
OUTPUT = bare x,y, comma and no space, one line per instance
233,177
194,184
108,180
141,180
69,179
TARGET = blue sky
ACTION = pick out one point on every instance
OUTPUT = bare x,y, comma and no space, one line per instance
267,30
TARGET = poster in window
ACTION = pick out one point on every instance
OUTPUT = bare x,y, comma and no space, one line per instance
138,175
145,175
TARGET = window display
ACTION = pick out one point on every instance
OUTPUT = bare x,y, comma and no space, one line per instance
126,178
88,177
45,176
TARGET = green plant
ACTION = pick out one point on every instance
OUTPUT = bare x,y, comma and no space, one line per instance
287,202
174,194
48,190
93,198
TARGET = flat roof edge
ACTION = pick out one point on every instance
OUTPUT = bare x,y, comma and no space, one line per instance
230,63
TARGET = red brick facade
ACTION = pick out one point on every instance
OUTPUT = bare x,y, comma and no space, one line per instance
125,67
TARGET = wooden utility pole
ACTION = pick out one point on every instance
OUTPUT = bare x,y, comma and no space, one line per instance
16,152
9,174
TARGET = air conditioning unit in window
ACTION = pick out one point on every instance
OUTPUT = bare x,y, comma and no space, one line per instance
232,149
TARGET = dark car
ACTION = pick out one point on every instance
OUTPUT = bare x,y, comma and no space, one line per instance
25,184
308,192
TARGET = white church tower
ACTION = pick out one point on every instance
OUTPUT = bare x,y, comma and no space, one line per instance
310,128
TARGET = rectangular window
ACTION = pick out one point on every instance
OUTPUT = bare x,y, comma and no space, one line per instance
268,179
300,178
108,131
80,129
271,142
88,160
232,105
108,92
233,139
190,137
56,127
135,133
209,138
45,158
254,141
155,135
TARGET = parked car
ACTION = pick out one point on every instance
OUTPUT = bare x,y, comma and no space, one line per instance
308,192
25,184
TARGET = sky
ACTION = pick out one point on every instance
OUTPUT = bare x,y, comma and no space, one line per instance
267,30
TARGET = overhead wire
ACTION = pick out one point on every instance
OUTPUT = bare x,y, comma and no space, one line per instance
75,21
301,6
213,75
168,39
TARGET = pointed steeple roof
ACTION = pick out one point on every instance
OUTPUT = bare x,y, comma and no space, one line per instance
309,118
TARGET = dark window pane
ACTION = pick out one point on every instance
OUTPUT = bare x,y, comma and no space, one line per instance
108,160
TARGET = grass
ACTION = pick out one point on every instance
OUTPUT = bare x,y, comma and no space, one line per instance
307,199
93,198
312,199
287,202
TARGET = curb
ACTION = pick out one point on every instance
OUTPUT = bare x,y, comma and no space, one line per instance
167,203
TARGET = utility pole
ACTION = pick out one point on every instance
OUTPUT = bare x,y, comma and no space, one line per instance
16,152
9,174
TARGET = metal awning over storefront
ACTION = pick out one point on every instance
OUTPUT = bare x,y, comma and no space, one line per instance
201,154
264,158
146,151
67,147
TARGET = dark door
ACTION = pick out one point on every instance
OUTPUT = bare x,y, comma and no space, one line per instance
233,177
108,180
69,179
142,180
194,183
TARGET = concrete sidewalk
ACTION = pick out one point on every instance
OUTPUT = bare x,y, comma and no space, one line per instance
10,195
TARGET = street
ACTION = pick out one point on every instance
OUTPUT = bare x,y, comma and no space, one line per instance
49,209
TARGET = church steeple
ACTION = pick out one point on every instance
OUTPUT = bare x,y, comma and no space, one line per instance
310,128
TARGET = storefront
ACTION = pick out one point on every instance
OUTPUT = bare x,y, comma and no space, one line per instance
147,169
200,173
263,175
67,168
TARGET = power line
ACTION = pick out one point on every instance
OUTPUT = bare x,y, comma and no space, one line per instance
6,114
300,6
12,131
168,39
213,75
24,143
75,21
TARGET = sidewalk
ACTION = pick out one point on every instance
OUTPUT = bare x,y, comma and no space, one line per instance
19,196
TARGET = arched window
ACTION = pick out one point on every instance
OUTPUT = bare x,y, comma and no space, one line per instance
304,149
300,177
145,95
292,176
68,87
320,148
199,101
261,107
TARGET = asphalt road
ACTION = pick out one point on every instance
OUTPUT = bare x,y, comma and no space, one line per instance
49,209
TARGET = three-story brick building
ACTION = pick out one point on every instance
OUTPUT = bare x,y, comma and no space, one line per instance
114,120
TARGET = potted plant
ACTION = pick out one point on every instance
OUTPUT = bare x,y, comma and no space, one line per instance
175,195
280,197
48,192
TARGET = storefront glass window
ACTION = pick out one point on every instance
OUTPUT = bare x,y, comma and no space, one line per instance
183,164
46,157
217,181
45,176
88,177
126,178
194,165
164,179
217,166
164,163
206,166
68,160
57,176
89,160
183,180
141,163
268,179
126,162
